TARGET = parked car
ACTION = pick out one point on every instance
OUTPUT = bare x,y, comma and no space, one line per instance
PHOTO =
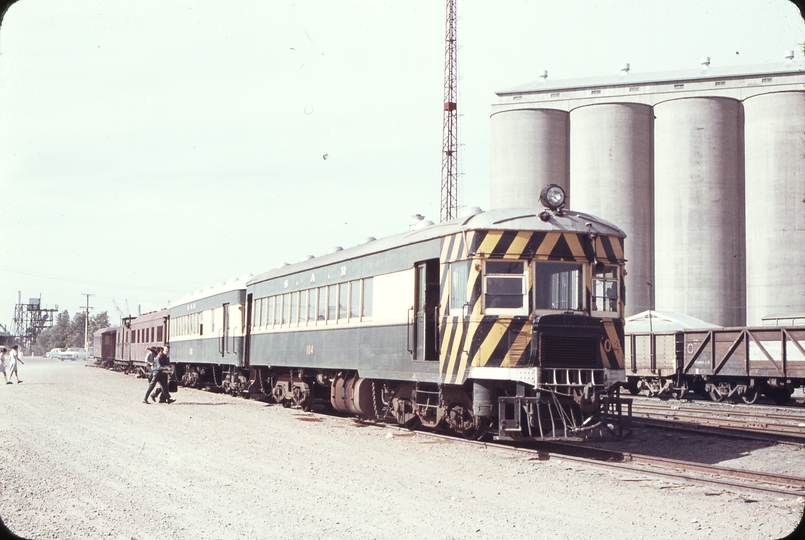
73,353
55,352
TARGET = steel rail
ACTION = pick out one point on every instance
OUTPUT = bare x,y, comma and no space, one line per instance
695,420
650,465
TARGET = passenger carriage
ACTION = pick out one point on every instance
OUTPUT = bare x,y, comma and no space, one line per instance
137,333
103,346
207,337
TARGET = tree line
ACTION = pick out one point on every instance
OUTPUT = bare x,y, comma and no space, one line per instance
69,331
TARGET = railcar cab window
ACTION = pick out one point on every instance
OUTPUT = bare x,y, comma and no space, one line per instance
505,288
605,290
558,286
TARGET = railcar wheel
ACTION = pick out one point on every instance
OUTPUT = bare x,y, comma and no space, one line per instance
679,392
413,424
751,395
715,395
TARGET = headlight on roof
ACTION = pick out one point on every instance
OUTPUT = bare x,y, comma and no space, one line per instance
552,196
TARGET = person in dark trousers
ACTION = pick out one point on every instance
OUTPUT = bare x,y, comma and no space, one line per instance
149,363
159,375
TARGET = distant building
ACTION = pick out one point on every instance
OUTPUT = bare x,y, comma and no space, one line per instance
704,169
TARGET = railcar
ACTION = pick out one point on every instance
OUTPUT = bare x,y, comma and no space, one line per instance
509,320
135,335
207,337
719,363
104,345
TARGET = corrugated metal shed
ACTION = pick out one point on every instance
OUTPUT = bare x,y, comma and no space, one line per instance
663,321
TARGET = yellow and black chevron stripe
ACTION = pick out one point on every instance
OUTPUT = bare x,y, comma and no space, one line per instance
612,344
474,339
545,245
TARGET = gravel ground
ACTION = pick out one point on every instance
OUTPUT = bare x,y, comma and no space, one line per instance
85,459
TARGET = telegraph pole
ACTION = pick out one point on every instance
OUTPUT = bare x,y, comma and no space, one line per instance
86,329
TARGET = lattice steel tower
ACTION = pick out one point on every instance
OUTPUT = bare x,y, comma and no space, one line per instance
30,320
449,198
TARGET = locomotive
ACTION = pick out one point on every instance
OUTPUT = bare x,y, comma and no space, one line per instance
506,320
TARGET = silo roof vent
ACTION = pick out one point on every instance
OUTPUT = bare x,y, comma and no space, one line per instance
789,56
366,240
543,75
468,211
415,219
334,249
625,68
425,223
705,62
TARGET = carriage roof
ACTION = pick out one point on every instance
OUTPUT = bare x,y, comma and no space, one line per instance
514,219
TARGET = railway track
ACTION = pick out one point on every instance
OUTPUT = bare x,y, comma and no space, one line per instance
740,480
723,419
687,471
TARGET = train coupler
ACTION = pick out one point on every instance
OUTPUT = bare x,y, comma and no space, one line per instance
551,416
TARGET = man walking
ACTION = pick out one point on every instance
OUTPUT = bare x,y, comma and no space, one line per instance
159,375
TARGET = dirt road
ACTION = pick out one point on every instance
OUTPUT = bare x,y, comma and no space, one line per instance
83,458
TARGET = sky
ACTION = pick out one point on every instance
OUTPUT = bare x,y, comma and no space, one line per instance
151,149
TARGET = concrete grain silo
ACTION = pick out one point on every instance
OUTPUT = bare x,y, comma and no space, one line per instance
611,177
529,151
775,204
724,165
699,209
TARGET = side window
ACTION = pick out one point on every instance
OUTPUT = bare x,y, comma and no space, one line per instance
286,308
322,315
505,288
311,308
332,299
354,299
294,318
366,299
605,290
459,275
343,298
270,312
303,300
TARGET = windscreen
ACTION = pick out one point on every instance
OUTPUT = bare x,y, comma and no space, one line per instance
558,286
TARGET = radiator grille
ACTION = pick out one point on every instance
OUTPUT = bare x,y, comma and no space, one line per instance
567,351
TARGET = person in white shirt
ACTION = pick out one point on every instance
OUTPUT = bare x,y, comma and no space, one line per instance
12,367
3,351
